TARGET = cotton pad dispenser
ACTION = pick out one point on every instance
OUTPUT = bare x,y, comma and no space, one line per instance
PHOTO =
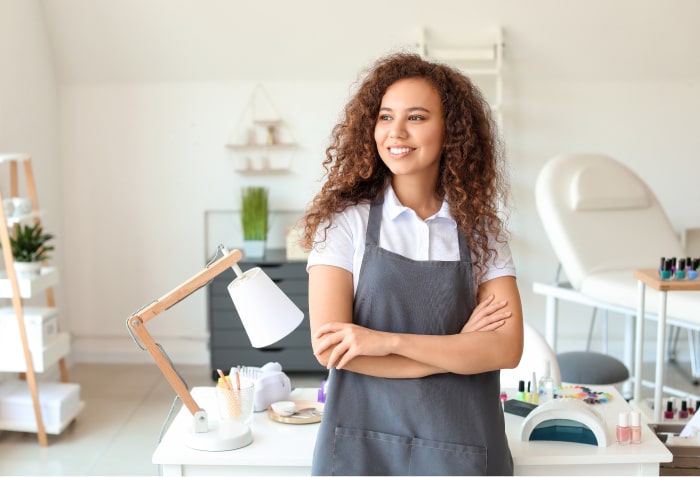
567,420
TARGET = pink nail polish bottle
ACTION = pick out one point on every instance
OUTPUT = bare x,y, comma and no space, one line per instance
623,428
635,427
683,412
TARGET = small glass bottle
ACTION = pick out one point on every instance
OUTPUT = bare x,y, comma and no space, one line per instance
623,429
683,411
635,427
546,384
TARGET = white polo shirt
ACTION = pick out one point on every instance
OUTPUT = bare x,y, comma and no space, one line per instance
402,232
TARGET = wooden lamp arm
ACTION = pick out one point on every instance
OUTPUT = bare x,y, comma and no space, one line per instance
137,324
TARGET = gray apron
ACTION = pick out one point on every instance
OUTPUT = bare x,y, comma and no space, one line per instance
443,424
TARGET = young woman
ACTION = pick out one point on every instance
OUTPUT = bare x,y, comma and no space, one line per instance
412,294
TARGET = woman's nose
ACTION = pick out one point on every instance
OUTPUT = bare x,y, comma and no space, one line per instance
397,131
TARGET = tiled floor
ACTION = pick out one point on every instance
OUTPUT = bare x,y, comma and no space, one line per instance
118,430
126,406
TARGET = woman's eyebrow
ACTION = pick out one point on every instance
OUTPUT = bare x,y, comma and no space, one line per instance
411,109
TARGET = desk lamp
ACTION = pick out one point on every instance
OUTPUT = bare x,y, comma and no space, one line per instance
268,315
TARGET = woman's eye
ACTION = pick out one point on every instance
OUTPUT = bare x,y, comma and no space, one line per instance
415,117
384,117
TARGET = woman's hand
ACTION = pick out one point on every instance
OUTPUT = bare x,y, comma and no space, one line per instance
350,341
487,316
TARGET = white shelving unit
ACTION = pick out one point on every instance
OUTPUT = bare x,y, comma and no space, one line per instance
481,59
22,358
262,143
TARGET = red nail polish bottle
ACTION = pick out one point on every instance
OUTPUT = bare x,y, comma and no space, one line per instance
668,413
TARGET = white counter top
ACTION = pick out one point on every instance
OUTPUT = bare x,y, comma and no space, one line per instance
286,449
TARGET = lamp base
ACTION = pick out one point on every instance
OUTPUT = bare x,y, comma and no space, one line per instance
222,436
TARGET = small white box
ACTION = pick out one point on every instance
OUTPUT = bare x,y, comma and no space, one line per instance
59,402
40,323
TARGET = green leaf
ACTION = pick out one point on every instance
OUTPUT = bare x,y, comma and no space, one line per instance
29,243
254,213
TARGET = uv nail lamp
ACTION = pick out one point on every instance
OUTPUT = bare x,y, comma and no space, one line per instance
565,420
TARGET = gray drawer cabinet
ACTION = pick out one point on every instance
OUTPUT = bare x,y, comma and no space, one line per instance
228,343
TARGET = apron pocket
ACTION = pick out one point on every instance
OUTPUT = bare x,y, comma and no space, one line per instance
444,458
362,452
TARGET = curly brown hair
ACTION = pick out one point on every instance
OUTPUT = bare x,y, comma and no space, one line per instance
472,175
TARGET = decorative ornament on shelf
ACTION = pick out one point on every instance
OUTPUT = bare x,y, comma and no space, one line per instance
29,249
262,142
254,220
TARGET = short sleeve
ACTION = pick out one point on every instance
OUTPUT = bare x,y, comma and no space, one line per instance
333,246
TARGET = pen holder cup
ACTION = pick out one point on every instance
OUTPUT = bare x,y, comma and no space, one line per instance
236,404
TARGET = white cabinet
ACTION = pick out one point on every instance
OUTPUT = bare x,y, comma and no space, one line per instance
29,353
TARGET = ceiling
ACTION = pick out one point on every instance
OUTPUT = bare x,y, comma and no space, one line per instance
223,40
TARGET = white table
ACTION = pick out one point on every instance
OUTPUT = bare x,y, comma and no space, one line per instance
286,449
566,458
650,277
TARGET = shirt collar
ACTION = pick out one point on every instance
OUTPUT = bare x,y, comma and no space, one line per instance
394,208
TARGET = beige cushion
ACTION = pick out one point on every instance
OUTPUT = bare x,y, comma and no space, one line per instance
607,186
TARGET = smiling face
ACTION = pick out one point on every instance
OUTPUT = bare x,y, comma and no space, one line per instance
410,129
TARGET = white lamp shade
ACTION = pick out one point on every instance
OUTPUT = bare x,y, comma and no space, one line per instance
268,315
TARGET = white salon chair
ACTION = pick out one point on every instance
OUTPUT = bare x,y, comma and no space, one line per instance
536,354
603,222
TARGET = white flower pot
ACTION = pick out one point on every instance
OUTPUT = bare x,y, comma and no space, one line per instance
253,248
27,270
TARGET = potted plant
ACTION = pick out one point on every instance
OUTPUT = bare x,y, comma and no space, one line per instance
254,220
29,249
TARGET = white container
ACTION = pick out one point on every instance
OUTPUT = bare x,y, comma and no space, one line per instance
59,403
40,323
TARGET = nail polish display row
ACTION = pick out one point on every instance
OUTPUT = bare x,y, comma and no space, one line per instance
679,269
685,410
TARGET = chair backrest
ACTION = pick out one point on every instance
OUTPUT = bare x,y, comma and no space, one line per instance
600,216
536,354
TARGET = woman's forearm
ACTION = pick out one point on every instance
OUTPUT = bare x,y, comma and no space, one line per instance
390,366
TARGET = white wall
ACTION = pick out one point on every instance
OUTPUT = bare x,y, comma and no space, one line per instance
150,90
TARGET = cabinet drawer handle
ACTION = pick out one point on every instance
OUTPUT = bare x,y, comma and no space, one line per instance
270,349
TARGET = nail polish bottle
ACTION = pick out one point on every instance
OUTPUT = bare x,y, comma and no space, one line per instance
680,270
546,385
693,270
528,394
661,265
521,391
683,412
691,407
667,272
668,413
622,433
635,427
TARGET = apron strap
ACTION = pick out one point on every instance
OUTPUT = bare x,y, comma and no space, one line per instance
374,222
